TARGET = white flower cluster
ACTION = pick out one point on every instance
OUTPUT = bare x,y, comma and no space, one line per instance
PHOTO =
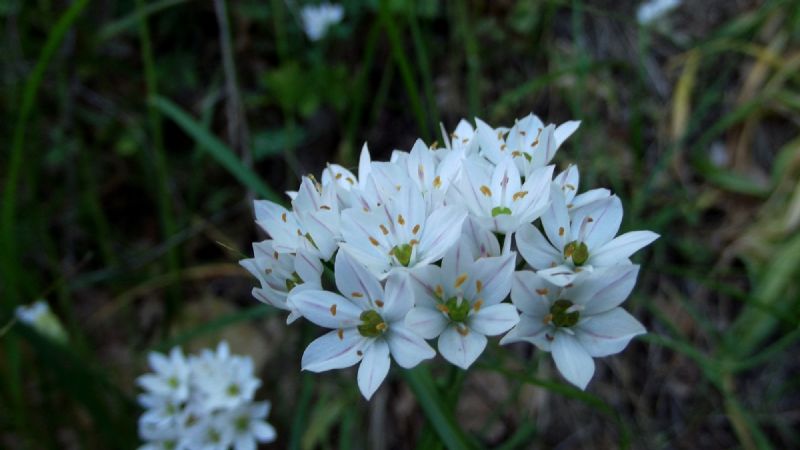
421,248
318,18
203,402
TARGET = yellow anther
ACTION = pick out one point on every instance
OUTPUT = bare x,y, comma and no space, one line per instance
338,176
441,307
462,330
461,279
542,291
478,286
486,191
560,231
384,230
373,241
437,182
477,306
379,303
519,195
283,217
333,309
415,230
340,333
400,219
547,319
356,294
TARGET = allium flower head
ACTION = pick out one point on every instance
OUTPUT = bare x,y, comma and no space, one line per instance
202,402
576,323
318,18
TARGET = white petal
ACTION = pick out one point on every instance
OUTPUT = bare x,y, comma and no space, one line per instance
398,299
325,309
494,320
482,240
456,262
606,218
364,165
568,181
377,264
308,267
333,351
605,288
427,322
374,368
495,275
530,329
565,130
264,432
621,247
572,360
559,275
442,230
608,333
556,220
531,294
537,251
407,347
586,199
356,282
424,280
461,349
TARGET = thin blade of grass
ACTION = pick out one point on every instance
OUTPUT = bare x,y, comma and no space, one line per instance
216,148
434,407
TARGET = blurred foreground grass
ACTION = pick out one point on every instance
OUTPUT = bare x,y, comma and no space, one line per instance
136,135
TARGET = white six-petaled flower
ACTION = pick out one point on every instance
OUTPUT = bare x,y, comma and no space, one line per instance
367,322
575,323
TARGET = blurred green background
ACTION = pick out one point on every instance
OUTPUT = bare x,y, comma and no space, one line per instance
136,134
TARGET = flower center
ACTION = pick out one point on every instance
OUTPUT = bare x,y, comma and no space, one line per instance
242,424
402,253
561,315
372,324
293,281
457,309
498,210
578,251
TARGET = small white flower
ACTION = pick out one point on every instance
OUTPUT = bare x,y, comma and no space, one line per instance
579,240
280,273
223,380
461,140
400,233
576,323
171,377
460,302
367,323
41,318
529,142
212,432
318,18
496,195
249,427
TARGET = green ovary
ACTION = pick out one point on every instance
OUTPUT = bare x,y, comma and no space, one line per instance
372,324
498,210
559,315
578,251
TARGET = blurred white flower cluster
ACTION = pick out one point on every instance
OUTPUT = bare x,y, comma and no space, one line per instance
318,18
203,402
430,244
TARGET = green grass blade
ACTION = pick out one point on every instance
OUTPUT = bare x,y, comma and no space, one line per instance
216,148
434,407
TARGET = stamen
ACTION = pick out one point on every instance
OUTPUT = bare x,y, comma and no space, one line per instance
462,330
437,182
283,217
415,230
443,308
351,180
560,231
477,306
325,207
384,230
461,279
373,241
478,286
519,195
338,176
548,319
439,291
379,303
333,309
400,219
340,333
542,291
356,294
486,191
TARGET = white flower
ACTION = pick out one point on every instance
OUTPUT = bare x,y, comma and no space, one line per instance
171,377
367,323
318,18
460,302
249,427
212,432
529,142
576,323
223,380
41,318
161,418
280,273
432,176
400,233
652,10
497,197
461,140
312,224
579,240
